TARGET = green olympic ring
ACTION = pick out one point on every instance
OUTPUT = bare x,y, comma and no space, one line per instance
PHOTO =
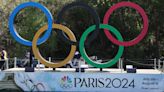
84,54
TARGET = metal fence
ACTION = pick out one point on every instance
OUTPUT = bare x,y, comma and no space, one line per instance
152,63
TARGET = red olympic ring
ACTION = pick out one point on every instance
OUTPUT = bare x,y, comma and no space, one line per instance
144,29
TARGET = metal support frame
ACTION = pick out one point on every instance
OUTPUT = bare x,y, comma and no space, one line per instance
15,62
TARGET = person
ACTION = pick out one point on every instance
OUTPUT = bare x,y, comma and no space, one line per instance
76,59
27,59
162,58
3,58
4,54
77,55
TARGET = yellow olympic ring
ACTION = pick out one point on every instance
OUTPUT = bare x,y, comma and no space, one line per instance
44,61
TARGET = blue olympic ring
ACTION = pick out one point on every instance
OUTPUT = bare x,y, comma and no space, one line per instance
13,30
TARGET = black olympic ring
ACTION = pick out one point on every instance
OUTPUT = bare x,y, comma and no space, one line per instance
90,10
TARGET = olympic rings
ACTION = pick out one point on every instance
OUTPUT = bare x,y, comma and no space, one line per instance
90,10
72,40
145,25
88,60
12,29
66,86
37,53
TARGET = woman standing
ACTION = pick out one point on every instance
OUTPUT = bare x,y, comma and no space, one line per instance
3,58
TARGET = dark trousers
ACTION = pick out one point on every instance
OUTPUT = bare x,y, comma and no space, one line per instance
2,62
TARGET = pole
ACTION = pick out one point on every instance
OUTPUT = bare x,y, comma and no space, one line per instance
163,66
155,64
30,64
15,62
7,64
49,59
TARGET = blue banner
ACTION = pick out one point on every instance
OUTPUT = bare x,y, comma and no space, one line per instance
69,81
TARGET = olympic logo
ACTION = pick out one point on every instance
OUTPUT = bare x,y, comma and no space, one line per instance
66,86
71,37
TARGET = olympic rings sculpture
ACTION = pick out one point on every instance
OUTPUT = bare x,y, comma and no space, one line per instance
72,40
